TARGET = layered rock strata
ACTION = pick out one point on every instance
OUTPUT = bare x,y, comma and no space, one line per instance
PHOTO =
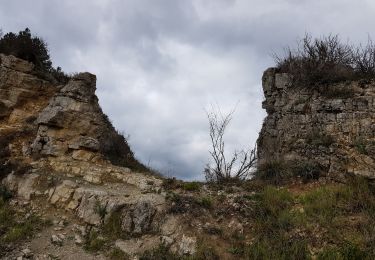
332,125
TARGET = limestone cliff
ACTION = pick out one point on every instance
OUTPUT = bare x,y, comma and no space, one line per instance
58,150
331,125
64,121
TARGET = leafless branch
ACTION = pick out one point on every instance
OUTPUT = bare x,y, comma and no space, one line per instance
239,166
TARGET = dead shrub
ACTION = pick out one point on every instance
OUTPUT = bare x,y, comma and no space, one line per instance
327,60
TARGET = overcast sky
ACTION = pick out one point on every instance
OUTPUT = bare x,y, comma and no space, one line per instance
161,63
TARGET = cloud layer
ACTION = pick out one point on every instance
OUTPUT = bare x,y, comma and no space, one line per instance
161,63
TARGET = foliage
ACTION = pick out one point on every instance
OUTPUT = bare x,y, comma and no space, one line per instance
117,254
100,209
273,171
5,167
171,183
112,227
162,252
191,186
5,194
327,60
283,249
345,251
205,202
271,210
115,147
307,170
14,227
191,204
361,145
27,47
34,49
94,242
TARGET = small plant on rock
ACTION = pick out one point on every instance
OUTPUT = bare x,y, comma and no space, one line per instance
307,170
100,209
273,171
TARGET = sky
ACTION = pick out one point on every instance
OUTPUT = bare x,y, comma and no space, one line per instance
161,64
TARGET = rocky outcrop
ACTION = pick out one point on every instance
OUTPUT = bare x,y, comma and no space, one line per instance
59,148
331,125
73,123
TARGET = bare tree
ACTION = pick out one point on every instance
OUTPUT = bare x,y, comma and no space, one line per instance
238,166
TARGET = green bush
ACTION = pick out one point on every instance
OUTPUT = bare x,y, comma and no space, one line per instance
117,254
171,183
273,171
272,212
115,147
100,209
162,252
112,227
307,170
27,47
359,195
278,249
13,228
94,242
205,202
34,49
191,186
343,252
191,204
361,145
5,194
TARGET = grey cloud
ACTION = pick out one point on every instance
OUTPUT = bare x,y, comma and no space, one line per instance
160,63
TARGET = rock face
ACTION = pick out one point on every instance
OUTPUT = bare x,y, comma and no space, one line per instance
330,125
73,123
58,148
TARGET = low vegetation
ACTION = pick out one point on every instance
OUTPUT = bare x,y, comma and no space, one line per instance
289,213
116,149
187,203
14,226
326,60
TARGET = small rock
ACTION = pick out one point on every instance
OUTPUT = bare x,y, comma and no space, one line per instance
236,226
56,240
187,245
61,236
27,253
167,241
78,240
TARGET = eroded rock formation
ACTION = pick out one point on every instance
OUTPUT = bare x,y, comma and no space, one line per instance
331,125
57,148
